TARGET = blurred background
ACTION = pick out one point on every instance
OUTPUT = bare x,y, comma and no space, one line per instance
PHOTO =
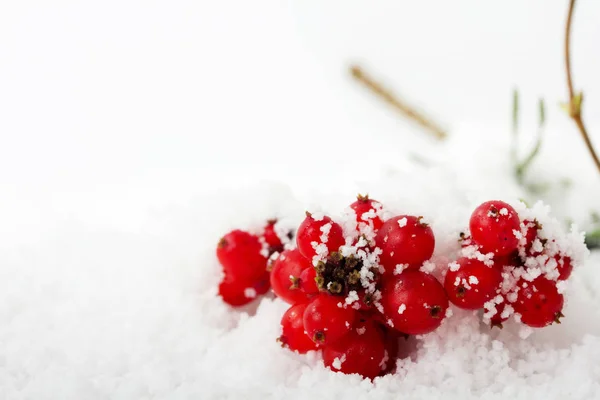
111,109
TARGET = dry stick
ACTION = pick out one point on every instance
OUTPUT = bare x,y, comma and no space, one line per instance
575,100
400,106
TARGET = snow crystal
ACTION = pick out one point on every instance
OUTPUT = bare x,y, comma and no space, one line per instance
402,222
401,309
428,267
361,330
250,293
454,266
352,297
473,280
562,286
400,268
318,216
337,362
325,229
503,211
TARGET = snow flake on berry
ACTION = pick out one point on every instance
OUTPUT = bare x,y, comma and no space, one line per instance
338,361
402,308
352,297
400,268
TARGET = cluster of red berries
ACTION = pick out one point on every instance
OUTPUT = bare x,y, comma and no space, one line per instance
243,257
509,267
355,288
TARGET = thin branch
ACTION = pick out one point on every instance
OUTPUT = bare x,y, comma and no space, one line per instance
400,106
575,100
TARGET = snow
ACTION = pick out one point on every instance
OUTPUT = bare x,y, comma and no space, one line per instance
131,141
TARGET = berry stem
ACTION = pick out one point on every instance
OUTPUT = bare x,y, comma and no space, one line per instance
400,106
574,106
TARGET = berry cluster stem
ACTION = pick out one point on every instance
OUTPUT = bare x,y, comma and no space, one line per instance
400,106
575,99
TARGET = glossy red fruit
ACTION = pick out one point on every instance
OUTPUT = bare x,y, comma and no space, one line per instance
371,207
497,319
493,225
404,239
236,292
362,351
414,302
239,253
530,235
539,302
564,267
472,284
271,237
326,320
308,283
293,335
285,276
392,346
324,230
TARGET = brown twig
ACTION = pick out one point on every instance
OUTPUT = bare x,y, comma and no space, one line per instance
575,100
400,106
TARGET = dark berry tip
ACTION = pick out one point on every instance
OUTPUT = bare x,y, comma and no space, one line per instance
222,243
295,282
557,317
282,340
272,221
362,198
308,214
435,311
319,337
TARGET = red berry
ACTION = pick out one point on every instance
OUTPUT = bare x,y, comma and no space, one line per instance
307,281
263,284
391,338
414,302
404,240
236,292
292,326
472,284
497,319
326,320
564,267
492,227
539,302
240,255
322,231
271,237
364,205
530,236
285,276
360,352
